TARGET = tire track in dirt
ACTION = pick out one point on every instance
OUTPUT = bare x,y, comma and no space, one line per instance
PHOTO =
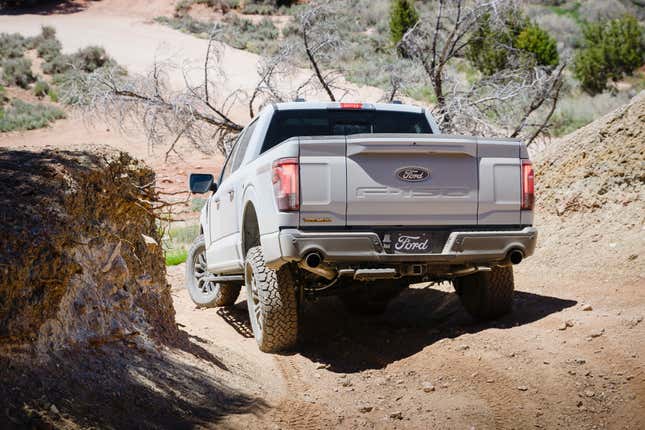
293,412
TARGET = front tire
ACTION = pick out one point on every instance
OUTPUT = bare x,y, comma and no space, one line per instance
487,295
204,293
272,304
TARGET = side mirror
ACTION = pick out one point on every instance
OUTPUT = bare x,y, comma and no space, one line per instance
200,183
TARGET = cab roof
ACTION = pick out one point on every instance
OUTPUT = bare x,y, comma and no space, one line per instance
394,107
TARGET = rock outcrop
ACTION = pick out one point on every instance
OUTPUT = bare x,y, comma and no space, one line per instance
78,267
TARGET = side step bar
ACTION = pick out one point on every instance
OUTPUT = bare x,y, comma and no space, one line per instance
225,278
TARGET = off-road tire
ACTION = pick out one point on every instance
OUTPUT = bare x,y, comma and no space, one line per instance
271,299
371,298
206,294
487,295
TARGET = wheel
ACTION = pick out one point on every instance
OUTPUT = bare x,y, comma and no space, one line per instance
271,299
487,295
371,298
203,292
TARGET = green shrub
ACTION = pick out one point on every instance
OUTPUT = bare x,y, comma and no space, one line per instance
12,45
17,71
3,96
53,95
25,116
403,16
91,58
57,65
537,42
611,50
48,49
488,45
488,48
41,89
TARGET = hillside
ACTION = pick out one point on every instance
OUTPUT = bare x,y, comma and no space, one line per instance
600,165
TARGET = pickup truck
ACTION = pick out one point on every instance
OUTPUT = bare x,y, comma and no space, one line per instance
359,201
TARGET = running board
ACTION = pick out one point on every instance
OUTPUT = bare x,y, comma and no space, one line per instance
225,278
372,274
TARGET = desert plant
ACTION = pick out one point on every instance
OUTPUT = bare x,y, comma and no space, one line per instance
41,89
494,42
3,96
90,58
610,50
17,71
48,49
26,116
539,44
403,17
12,45
57,65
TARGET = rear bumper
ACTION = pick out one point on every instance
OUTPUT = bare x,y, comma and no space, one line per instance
462,247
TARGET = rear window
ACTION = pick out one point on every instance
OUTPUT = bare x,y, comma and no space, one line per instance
326,122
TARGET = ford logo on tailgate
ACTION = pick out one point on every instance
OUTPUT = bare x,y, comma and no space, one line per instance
413,173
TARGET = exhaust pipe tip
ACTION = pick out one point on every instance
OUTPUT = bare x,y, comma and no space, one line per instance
516,256
313,259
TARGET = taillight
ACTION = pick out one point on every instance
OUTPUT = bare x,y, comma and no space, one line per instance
286,184
528,185
351,105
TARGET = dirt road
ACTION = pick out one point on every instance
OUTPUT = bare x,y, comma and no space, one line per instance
570,356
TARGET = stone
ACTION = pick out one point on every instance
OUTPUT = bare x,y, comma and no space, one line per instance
396,415
428,387
587,308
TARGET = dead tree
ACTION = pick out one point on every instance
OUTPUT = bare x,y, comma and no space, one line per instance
166,114
511,102
319,40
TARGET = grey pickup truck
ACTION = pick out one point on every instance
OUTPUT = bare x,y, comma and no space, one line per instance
359,201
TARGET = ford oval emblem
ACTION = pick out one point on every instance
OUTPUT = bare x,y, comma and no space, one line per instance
413,173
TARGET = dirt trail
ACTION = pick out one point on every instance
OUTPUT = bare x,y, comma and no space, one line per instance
425,363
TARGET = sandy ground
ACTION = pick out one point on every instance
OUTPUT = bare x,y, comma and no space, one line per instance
570,356
553,363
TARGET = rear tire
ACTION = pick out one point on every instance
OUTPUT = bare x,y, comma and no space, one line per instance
206,294
487,295
371,298
272,304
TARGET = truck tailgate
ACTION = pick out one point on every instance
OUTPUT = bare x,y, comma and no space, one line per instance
411,180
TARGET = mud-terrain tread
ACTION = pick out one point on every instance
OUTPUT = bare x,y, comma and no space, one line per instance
279,308
225,295
487,295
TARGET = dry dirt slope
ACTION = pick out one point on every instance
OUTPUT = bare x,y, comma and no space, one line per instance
88,336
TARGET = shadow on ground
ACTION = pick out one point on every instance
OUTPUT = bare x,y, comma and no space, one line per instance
417,318
116,387
46,7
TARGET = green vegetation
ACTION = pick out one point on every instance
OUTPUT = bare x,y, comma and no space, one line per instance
17,72
540,44
488,50
611,50
241,33
176,241
403,17
12,45
175,256
26,116
41,89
